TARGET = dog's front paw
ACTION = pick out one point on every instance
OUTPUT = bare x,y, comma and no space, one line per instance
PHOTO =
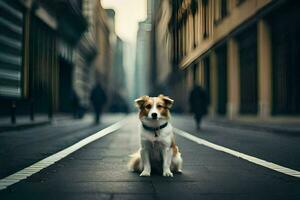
145,173
168,173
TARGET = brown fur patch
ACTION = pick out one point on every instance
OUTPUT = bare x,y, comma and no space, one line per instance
145,108
141,101
174,147
162,107
144,103
175,150
167,100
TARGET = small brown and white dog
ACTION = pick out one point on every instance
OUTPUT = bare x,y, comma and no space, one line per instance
158,148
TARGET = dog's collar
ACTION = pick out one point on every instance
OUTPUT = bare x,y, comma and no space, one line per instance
148,128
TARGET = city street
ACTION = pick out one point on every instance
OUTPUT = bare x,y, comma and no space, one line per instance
98,170
75,73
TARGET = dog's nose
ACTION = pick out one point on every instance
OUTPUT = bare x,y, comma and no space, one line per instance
154,115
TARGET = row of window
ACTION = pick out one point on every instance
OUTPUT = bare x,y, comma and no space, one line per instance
196,22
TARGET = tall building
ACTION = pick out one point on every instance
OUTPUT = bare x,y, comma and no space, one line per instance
163,42
85,52
117,79
145,73
103,61
236,50
142,60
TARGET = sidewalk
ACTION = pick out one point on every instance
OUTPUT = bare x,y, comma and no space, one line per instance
277,126
23,122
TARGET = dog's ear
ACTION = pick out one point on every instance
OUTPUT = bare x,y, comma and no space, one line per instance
139,102
168,101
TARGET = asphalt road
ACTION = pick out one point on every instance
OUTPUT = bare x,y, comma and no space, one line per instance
280,148
22,148
98,170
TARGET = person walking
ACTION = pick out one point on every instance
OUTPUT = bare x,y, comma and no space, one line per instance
75,103
198,104
98,99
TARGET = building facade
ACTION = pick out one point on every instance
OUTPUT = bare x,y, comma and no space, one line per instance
146,70
34,45
117,92
168,76
103,61
47,53
142,60
238,52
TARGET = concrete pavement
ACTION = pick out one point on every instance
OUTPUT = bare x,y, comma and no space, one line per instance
98,171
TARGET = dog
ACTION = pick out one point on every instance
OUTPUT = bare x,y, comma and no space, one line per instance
158,148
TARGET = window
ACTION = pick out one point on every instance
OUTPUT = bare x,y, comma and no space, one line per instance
205,18
221,10
224,10
11,49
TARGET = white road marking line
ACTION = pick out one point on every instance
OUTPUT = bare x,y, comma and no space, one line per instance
269,165
38,166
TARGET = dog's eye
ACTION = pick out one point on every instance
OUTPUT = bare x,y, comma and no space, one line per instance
148,106
159,106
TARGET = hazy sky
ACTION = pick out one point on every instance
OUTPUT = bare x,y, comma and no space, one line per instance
128,14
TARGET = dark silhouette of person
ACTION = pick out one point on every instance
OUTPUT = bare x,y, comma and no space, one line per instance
198,104
75,103
98,99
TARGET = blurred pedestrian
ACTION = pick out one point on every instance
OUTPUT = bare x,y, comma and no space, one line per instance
98,99
198,104
75,103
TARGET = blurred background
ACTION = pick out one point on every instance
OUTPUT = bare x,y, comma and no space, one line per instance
244,53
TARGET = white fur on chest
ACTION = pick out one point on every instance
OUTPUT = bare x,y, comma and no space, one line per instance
155,145
164,136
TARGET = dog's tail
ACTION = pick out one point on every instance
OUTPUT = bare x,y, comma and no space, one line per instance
135,164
